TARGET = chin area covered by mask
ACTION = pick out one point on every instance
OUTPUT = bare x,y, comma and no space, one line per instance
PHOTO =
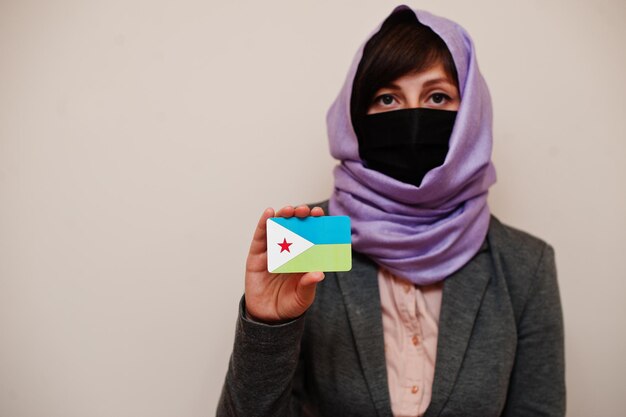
405,144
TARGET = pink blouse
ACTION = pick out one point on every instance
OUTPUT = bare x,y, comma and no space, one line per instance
410,325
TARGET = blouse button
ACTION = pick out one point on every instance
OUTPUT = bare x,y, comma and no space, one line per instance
415,340
407,288
414,389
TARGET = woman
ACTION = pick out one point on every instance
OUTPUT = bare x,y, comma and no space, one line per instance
446,311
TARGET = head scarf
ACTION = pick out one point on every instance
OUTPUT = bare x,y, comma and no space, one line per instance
422,234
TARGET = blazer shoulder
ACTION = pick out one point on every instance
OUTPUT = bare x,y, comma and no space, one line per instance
515,245
522,260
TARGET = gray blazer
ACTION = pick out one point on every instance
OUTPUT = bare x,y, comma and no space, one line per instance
499,351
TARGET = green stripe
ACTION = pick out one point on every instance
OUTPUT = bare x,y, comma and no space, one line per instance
324,258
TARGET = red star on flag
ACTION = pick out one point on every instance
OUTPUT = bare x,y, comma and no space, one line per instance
284,246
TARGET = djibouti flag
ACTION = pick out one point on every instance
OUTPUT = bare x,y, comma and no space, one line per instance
309,244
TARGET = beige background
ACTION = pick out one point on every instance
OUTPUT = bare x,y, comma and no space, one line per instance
141,140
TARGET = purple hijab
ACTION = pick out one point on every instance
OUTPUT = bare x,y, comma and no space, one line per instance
422,234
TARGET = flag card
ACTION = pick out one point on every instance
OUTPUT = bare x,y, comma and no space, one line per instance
309,244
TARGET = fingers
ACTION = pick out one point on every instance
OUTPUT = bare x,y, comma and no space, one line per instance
317,211
289,211
300,211
286,211
259,244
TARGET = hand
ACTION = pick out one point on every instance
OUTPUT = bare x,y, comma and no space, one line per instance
275,298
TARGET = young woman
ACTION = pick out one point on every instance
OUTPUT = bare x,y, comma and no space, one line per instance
446,311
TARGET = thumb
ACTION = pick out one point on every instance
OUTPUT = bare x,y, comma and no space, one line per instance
306,287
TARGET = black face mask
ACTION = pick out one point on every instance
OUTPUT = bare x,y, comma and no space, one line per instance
405,144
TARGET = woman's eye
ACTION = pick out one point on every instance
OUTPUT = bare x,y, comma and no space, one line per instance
385,99
439,98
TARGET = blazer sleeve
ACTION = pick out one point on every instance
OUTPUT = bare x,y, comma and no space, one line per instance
262,369
537,384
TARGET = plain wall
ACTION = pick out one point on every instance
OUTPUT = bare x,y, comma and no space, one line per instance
141,140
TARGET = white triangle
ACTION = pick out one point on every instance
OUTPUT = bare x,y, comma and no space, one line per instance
277,234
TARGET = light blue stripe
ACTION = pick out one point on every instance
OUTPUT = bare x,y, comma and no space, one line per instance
324,230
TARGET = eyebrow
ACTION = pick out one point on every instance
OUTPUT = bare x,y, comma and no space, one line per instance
437,81
393,86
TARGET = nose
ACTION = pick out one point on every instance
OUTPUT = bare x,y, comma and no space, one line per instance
412,103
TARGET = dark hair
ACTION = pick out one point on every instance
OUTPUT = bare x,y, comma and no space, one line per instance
402,45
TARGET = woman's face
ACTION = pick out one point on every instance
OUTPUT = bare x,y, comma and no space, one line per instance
431,88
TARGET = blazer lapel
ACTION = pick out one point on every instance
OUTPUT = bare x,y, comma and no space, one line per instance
361,296
462,295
